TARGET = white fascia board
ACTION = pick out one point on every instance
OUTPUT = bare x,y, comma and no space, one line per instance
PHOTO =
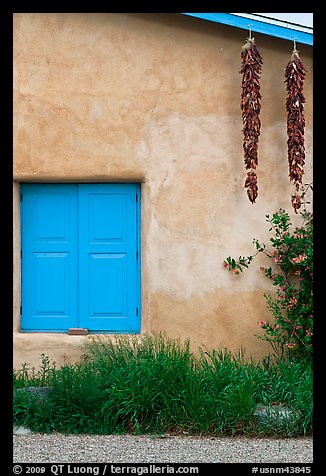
302,19
276,21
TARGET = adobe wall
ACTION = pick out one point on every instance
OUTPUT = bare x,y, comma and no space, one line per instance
155,98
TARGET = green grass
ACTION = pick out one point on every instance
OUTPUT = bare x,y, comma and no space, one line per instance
157,385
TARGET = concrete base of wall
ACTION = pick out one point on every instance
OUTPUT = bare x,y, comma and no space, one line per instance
60,348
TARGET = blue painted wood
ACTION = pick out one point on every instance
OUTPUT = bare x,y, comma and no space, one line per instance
49,257
80,246
264,27
107,257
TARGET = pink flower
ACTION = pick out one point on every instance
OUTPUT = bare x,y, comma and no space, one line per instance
298,259
293,302
290,345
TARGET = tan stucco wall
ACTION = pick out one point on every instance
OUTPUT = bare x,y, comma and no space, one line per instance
155,98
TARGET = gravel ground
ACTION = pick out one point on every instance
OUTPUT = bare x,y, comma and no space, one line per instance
59,448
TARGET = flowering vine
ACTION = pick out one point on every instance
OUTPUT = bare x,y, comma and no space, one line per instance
292,253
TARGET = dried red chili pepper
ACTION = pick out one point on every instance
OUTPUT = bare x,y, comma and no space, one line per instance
250,106
294,78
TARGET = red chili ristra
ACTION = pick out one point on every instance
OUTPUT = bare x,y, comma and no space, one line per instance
294,78
250,106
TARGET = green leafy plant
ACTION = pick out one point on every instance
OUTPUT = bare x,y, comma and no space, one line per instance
29,376
155,384
291,254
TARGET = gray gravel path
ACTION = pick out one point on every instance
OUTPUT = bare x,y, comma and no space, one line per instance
59,448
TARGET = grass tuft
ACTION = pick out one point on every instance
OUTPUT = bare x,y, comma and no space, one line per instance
157,385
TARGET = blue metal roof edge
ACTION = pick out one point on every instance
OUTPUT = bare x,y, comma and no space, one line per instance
257,26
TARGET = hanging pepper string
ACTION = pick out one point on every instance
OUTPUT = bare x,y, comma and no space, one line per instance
294,78
250,107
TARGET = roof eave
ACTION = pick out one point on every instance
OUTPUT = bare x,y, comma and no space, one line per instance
284,30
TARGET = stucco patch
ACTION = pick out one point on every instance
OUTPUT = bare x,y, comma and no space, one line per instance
213,319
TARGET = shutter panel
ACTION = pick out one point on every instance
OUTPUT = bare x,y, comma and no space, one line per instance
49,263
108,270
80,265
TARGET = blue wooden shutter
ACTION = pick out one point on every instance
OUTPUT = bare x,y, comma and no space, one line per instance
49,260
108,274
80,264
